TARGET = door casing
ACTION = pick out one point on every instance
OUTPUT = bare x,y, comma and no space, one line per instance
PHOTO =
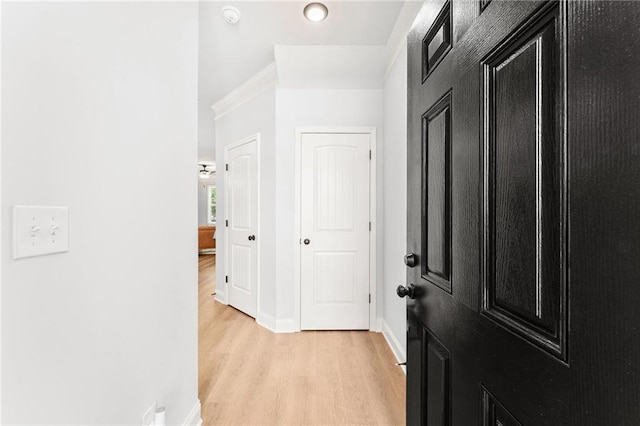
371,131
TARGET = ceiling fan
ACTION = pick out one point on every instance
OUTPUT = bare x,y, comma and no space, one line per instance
205,172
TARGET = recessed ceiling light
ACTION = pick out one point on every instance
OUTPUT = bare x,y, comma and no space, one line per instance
231,14
316,12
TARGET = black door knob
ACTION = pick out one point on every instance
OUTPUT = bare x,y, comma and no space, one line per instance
306,241
411,260
252,237
403,291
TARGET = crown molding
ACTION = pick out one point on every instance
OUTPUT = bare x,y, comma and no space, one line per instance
261,81
398,37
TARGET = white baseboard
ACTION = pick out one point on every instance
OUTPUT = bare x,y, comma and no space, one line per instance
194,418
290,325
287,325
398,351
266,321
220,297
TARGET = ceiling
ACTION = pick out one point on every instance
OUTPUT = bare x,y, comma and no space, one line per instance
330,67
231,54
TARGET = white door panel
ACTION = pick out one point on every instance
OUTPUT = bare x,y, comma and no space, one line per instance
242,184
335,220
240,171
241,267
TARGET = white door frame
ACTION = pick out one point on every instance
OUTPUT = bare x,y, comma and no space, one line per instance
227,148
371,131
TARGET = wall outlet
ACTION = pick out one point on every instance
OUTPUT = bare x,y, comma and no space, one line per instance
147,417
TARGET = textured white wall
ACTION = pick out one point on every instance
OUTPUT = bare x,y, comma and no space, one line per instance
395,195
316,108
254,116
100,114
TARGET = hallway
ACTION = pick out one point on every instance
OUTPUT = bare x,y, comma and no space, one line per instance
251,376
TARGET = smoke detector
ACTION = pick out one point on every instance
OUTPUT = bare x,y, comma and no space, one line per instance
231,14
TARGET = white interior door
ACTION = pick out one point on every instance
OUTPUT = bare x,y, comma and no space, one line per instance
334,224
242,208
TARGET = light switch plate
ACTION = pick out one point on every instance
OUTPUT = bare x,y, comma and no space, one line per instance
39,230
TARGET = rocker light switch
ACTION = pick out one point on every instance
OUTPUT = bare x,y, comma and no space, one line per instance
38,231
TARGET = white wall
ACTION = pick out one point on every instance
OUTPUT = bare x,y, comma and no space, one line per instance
395,199
315,108
209,16
100,114
257,115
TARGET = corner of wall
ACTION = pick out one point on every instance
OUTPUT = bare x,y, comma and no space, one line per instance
378,327
220,296
267,321
394,311
255,115
287,325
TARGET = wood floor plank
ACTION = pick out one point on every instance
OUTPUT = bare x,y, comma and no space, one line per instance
251,376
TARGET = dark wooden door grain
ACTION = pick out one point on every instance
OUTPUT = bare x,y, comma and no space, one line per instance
524,213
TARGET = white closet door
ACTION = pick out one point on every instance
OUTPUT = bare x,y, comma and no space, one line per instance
242,188
335,231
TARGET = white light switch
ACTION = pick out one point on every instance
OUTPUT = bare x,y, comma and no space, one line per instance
40,230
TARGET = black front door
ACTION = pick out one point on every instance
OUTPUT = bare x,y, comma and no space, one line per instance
524,213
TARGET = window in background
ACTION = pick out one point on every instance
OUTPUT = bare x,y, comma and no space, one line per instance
211,204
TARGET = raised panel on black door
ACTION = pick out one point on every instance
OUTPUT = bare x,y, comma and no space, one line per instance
436,184
524,286
437,42
494,413
437,389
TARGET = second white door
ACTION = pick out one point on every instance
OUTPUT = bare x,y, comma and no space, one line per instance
242,208
334,228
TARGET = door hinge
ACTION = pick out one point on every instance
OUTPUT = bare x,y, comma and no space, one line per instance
226,167
370,154
369,297
369,226
226,223
226,278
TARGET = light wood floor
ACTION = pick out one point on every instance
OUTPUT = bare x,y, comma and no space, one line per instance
250,376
